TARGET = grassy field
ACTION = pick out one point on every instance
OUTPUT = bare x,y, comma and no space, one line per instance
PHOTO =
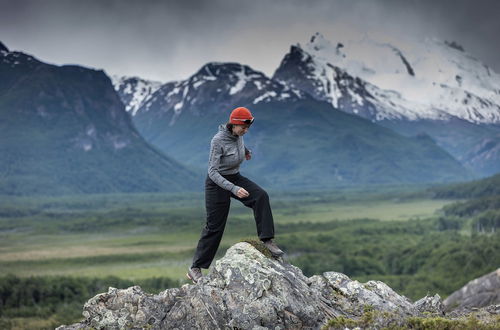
56,253
387,210
146,235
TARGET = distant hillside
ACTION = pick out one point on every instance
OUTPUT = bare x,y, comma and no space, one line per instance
479,188
64,130
480,213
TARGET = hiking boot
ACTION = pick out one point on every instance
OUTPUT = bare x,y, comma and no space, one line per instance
273,248
194,274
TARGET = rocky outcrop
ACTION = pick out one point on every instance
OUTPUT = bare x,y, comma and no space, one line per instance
480,292
247,290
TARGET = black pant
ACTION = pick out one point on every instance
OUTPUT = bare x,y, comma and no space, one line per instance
217,202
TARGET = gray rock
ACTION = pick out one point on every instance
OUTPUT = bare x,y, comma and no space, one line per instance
247,290
486,315
433,305
480,292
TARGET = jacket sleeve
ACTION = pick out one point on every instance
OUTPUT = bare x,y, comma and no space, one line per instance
213,169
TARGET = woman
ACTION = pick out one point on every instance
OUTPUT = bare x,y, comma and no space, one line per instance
224,181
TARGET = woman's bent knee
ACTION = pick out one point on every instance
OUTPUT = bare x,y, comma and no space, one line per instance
263,195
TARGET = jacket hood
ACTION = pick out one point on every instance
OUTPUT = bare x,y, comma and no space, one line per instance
223,129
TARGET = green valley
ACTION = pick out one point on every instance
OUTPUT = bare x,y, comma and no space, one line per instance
57,252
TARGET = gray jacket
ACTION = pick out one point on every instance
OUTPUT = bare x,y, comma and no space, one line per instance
227,152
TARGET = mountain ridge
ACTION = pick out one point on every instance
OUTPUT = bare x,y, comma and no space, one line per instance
64,130
426,78
134,91
296,138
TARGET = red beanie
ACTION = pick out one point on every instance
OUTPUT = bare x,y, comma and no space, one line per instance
241,116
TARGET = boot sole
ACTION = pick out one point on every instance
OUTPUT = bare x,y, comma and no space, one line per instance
192,280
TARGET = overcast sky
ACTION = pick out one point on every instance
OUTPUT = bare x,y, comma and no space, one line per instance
170,40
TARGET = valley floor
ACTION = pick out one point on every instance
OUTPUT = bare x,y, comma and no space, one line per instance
55,253
86,236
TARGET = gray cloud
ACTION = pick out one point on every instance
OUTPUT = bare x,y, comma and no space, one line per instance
168,40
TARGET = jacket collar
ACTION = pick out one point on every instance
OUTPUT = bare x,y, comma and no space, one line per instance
227,133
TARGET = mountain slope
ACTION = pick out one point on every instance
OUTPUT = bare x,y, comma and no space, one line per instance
63,130
134,91
486,187
297,141
477,147
434,88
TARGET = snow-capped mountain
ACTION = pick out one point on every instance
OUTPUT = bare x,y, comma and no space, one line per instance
433,80
431,87
134,91
299,141
225,84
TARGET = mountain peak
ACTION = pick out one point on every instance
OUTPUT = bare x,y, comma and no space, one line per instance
215,70
455,45
428,79
3,48
318,41
134,91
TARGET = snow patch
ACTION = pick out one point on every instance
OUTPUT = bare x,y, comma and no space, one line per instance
258,84
178,106
135,91
265,97
119,144
240,83
198,83
87,146
90,131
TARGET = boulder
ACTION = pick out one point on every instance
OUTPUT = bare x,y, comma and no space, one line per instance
480,292
248,290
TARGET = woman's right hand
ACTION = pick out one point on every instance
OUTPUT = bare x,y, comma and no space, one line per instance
242,193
